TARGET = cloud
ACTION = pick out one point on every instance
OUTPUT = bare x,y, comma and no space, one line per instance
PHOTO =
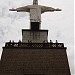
59,24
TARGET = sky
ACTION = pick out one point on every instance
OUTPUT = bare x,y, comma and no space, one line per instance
60,24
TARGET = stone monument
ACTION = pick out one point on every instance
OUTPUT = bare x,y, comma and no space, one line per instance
34,55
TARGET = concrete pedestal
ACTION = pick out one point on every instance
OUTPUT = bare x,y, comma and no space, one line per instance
34,59
34,36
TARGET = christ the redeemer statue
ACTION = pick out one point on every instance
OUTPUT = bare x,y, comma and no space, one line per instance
35,11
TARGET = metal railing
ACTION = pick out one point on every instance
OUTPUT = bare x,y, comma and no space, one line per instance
34,45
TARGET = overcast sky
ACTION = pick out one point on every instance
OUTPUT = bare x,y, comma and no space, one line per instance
60,24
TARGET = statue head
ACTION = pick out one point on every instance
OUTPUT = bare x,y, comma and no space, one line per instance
35,2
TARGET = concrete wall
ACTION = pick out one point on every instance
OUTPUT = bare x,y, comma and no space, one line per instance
20,61
34,36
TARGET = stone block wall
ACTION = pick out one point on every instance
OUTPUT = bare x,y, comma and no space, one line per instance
35,36
21,61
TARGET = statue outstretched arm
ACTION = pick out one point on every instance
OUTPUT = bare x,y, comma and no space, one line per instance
48,9
21,9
